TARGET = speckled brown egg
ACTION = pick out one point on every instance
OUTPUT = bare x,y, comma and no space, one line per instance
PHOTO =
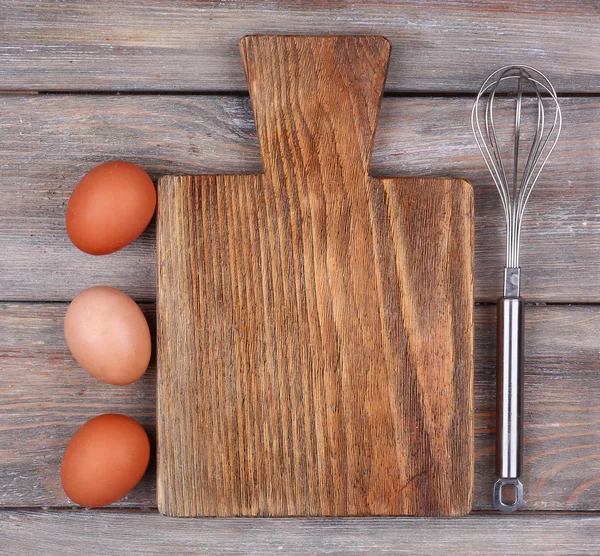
110,207
108,335
104,460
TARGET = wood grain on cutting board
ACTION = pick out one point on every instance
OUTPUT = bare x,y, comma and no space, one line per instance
314,323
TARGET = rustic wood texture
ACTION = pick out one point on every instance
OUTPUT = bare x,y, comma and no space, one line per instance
48,142
39,415
173,45
102,533
315,324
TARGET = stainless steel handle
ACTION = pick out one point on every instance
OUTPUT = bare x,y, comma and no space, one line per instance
509,403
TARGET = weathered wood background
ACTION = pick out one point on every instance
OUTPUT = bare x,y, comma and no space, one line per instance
160,83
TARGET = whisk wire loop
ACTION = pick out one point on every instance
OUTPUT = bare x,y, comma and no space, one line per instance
515,193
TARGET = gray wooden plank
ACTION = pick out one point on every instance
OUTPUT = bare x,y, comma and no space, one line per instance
105,533
48,142
171,45
45,397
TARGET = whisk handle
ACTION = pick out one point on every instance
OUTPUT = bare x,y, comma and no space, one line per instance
509,401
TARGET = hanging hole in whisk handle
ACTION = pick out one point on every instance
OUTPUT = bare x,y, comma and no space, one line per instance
508,494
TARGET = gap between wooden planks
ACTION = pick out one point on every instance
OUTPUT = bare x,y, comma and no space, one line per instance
45,397
47,143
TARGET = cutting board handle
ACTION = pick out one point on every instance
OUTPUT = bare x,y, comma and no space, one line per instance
291,80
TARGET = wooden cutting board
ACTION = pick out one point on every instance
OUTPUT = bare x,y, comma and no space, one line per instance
315,324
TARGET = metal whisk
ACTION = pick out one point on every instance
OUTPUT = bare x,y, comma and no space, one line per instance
515,176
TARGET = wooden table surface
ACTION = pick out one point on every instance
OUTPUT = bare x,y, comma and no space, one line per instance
160,83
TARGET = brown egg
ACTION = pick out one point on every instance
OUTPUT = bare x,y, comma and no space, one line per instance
108,335
104,460
110,207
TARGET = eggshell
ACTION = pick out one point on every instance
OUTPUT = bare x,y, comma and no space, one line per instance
108,335
110,207
104,460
